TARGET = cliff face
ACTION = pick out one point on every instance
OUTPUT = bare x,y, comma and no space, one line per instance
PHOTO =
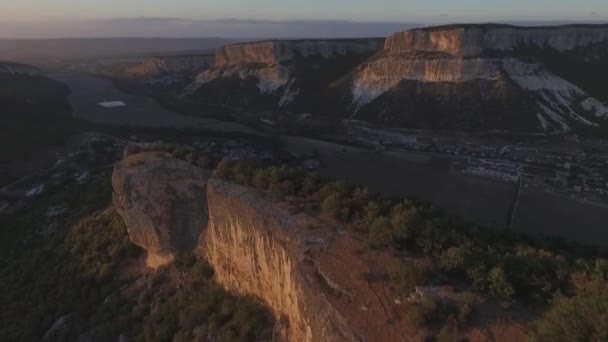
312,278
278,74
546,72
162,201
472,40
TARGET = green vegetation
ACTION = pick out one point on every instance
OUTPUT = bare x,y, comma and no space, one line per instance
88,269
498,263
180,303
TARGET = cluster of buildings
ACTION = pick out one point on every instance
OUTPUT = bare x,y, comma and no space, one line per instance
574,171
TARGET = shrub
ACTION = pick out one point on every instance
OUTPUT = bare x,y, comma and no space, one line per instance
454,258
380,233
582,317
332,204
407,276
225,169
309,185
404,221
499,284
429,310
260,179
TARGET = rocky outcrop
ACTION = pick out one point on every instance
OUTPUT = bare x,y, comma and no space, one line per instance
283,74
162,201
472,40
313,276
309,273
521,75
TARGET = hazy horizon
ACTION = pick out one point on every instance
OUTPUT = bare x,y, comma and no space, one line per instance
272,18
141,27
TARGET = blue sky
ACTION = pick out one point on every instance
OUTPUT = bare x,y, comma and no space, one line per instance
357,10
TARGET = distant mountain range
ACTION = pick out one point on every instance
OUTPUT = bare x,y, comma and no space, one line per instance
459,77
69,48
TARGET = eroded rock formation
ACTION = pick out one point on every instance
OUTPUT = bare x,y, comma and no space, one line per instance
279,74
162,201
310,274
472,40
313,276
487,77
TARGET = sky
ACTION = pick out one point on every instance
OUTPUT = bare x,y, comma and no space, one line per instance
45,18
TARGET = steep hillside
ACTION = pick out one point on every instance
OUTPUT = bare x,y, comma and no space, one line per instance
487,77
460,77
34,110
291,75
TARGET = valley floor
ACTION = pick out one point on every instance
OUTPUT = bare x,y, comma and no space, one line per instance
428,176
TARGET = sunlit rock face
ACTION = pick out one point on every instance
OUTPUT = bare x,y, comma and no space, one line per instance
162,201
472,40
279,74
487,77
311,275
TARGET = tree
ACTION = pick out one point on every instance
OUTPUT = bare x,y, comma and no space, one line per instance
582,317
381,233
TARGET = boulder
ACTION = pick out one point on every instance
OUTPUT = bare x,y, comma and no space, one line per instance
162,201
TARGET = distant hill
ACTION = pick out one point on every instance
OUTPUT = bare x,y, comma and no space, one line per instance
32,49
34,111
459,77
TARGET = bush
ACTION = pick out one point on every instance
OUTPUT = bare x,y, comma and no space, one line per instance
428,311
309,185
260,179
454,258
332,205
582,317
225,169
380,233
499,284
407,276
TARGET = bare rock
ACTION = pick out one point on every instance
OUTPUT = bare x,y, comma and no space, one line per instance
312,279
162,201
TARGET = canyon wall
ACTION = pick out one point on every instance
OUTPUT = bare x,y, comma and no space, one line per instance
471,40
526,69
283,71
